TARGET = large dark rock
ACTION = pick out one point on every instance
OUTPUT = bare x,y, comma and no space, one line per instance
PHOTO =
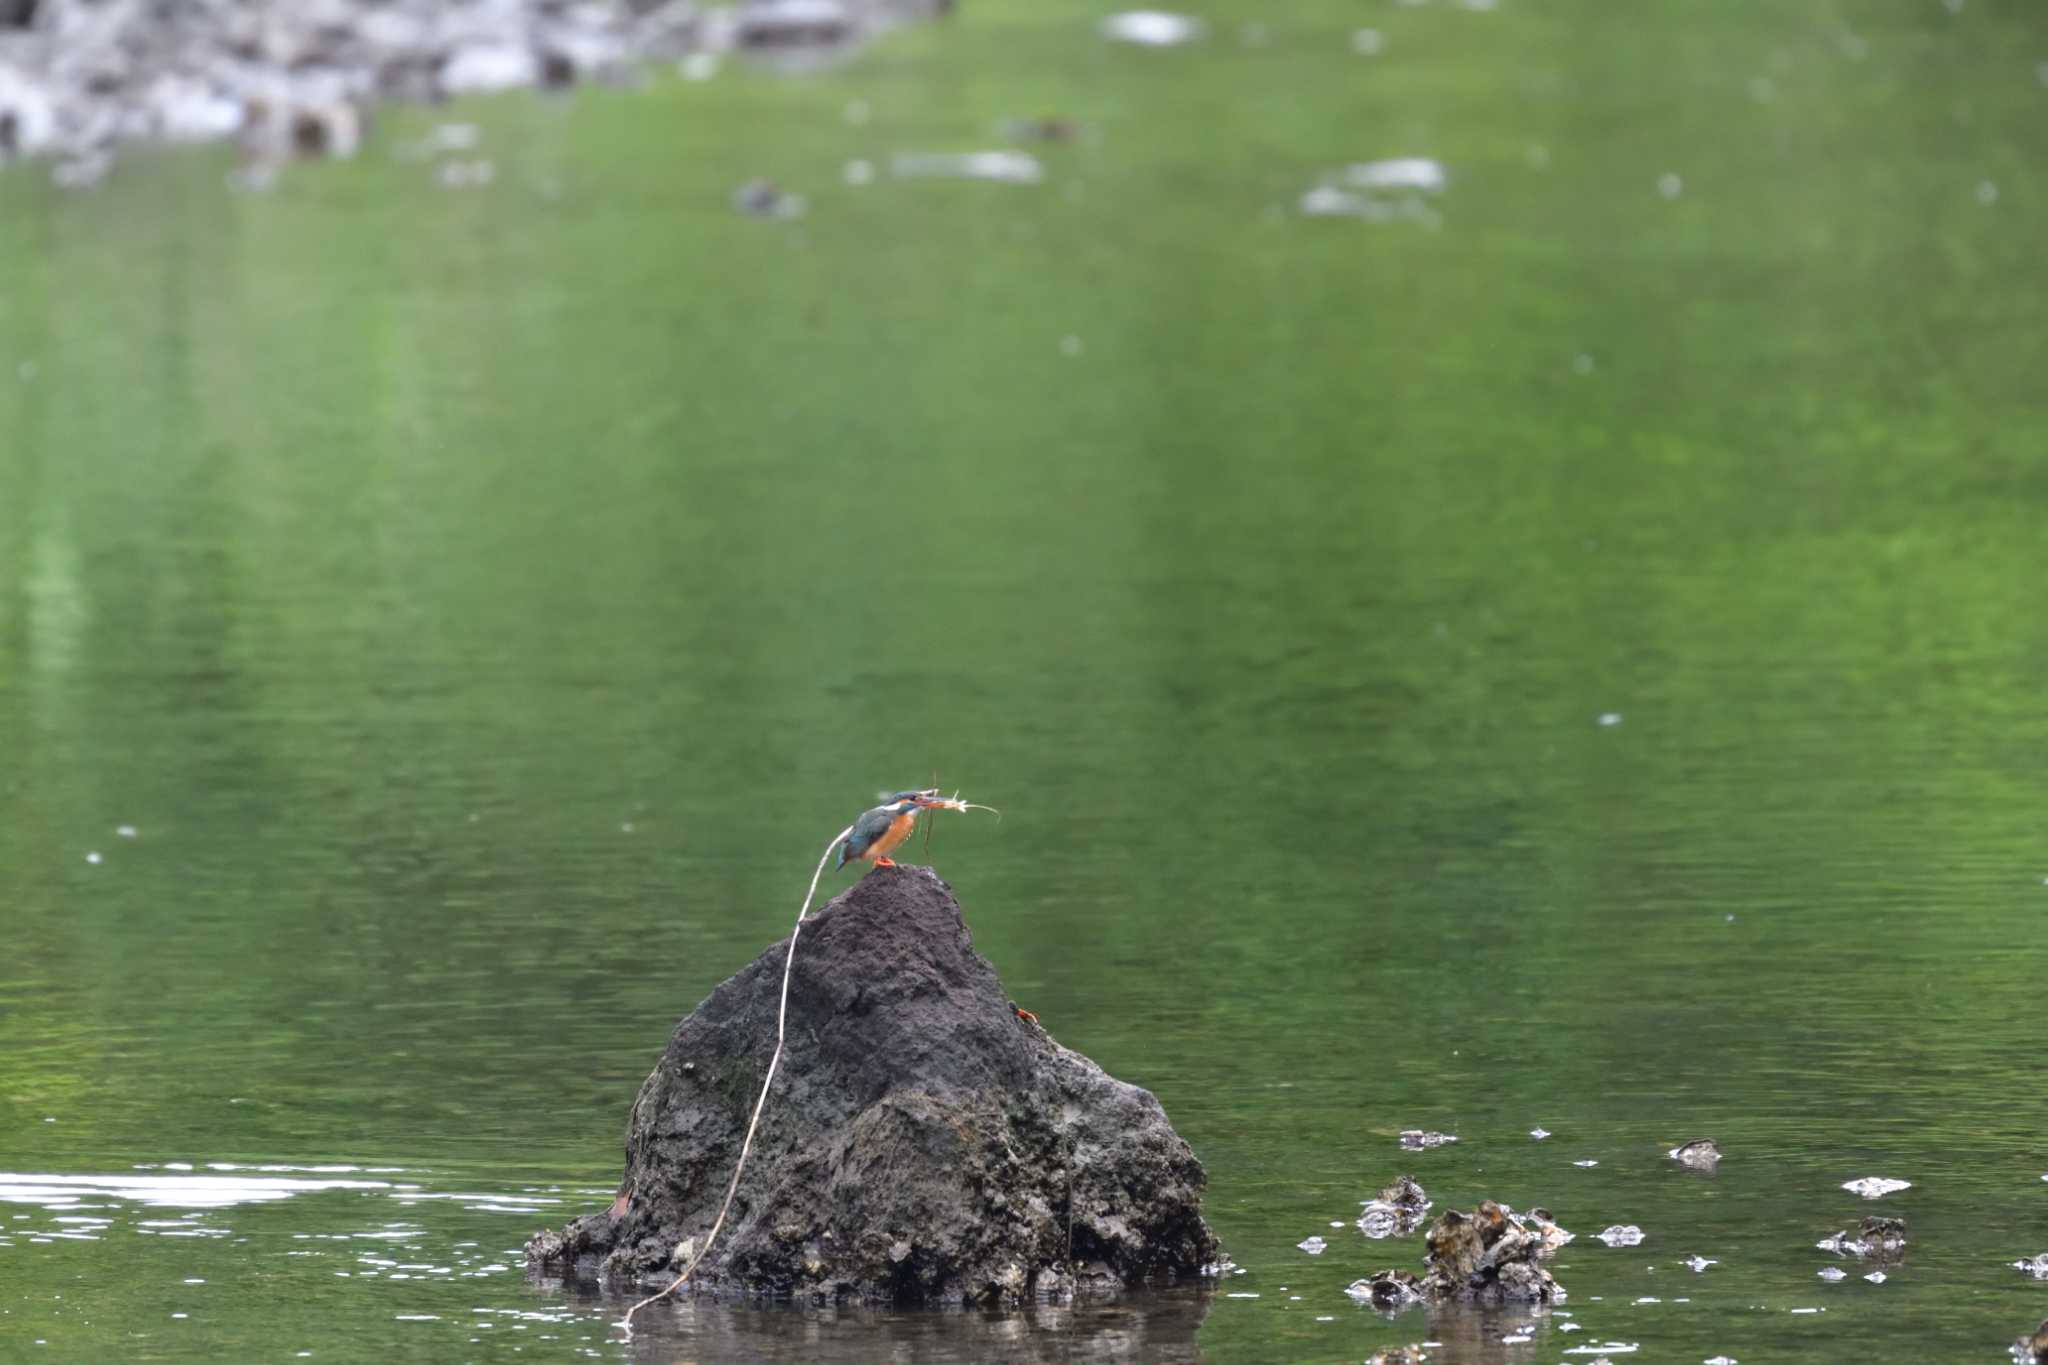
922,1142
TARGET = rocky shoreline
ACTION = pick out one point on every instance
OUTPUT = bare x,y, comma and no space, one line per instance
297,78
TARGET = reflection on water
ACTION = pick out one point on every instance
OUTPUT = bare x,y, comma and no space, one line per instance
1151,1327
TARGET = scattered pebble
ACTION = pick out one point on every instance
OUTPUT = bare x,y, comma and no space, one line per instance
1832,1273
1314,1246
1621,1235
1876,1277
763,198
124,831
1609,717
93,857
1876,1186
1152,28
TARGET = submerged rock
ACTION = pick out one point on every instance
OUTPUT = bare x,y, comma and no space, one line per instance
1412,1354
1876,1238
1387,1290
922,1142
1701,1154
1396,1211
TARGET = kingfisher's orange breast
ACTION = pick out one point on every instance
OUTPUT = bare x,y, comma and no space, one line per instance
898,831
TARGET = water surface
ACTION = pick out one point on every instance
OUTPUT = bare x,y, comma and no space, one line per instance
1572,658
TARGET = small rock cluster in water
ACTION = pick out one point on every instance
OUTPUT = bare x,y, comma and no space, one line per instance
296,77
1488,1256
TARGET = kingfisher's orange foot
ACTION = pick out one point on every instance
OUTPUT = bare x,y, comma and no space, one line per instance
885,862
1026,1015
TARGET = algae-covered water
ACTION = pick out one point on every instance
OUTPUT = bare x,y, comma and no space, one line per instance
1568,655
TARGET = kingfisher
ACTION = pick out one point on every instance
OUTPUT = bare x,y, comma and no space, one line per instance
880,830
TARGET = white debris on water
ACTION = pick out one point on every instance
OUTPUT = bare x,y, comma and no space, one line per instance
1987,193
93,857
1720,1360
1517,1339
1314,1246
1876,1186
1396,173
1610,718
1621,1235
1832,1273
1539,1133
1152,28
1670,185
1589,1161
1696,1264
462,175
858,172
1876,1277
1368,42
1620,1348
1416,1140
1379,191
1008,167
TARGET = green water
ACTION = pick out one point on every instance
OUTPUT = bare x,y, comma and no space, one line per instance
482,604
